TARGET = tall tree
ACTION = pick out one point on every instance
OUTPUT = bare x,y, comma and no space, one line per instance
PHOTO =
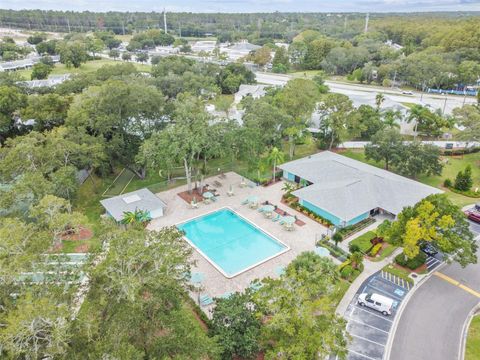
338,119
385,146
299,311
434,219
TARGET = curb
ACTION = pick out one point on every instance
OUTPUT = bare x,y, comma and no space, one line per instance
391,335
466,325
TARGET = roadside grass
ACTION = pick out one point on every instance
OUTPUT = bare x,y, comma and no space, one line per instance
408,104
363,241
401,273
450,170
89,66
120,183
472,349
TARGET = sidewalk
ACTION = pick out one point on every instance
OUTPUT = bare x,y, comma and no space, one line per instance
370,268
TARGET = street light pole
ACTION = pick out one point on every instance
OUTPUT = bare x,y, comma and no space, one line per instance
444,104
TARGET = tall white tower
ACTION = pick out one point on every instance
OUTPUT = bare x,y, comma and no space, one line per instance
165,20
366,22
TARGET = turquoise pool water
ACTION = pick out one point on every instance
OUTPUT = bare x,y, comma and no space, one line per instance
229,242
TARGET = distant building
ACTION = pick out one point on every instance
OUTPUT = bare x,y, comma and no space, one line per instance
393,45
256,91
142,199
53,80
204,45
24,63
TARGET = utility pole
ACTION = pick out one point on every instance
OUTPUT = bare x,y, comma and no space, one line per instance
165,20
366,23
444,105
345,23
394,78
68,24
123,27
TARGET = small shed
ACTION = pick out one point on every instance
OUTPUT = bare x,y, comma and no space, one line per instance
142,199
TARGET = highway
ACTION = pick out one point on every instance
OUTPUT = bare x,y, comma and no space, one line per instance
365,94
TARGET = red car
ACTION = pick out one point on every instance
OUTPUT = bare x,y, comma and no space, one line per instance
473,215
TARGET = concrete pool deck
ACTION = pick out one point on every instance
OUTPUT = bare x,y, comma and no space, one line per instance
215,284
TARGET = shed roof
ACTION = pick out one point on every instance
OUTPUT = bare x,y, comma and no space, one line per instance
142,199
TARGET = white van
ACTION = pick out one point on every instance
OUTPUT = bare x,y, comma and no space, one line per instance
377,302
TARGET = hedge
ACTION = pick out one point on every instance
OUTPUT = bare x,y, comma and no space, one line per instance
374,251
412,264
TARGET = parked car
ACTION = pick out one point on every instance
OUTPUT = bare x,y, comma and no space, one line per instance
473,215
428,248
377,302
407,92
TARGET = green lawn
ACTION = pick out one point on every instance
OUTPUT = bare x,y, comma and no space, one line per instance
363,241
472,349
450,170
89,66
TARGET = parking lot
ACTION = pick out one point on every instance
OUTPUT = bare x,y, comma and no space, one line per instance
368,328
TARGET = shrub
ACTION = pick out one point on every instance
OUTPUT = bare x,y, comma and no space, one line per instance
412,264
346,272
447,183
353,248
463,181
376,249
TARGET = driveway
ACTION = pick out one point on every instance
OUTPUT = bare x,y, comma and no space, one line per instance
368,328
431,325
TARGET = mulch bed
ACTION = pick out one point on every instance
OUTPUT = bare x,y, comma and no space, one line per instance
83,234
81,248
420,269
196,193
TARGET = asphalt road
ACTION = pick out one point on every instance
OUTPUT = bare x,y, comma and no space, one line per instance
431,325
366,93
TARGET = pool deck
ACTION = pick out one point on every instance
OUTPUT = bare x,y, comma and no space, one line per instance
215,284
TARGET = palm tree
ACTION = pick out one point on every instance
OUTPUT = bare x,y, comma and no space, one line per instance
379,99
356,259
417,114
136,217
391,118
274,158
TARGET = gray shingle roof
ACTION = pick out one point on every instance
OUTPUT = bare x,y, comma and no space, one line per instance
142,199
348,188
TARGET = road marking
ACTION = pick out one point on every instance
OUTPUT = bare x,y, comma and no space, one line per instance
387,293
365,356
371,341
371,313
457,283
362,323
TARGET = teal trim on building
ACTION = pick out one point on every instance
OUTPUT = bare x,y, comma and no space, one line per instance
288,176
334,219
325,214
358,219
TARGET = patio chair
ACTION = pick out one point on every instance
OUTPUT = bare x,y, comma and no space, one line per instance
206,201
243,183
226,295
217,183
230,193
193,205
245,202
253,205
205,300
214,198
276,218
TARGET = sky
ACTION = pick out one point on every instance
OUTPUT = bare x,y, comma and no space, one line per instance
246,5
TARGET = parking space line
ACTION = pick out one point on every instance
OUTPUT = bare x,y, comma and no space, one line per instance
373,327
457,283
365,356
386,293
371,341
371,313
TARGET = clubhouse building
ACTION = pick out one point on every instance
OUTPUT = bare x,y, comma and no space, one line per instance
347,191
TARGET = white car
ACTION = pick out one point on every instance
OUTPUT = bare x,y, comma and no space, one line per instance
377,302
407,92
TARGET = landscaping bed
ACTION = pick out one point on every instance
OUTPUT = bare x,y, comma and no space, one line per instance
348,231
335,251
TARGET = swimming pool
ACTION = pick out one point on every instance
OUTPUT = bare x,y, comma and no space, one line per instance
229,242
